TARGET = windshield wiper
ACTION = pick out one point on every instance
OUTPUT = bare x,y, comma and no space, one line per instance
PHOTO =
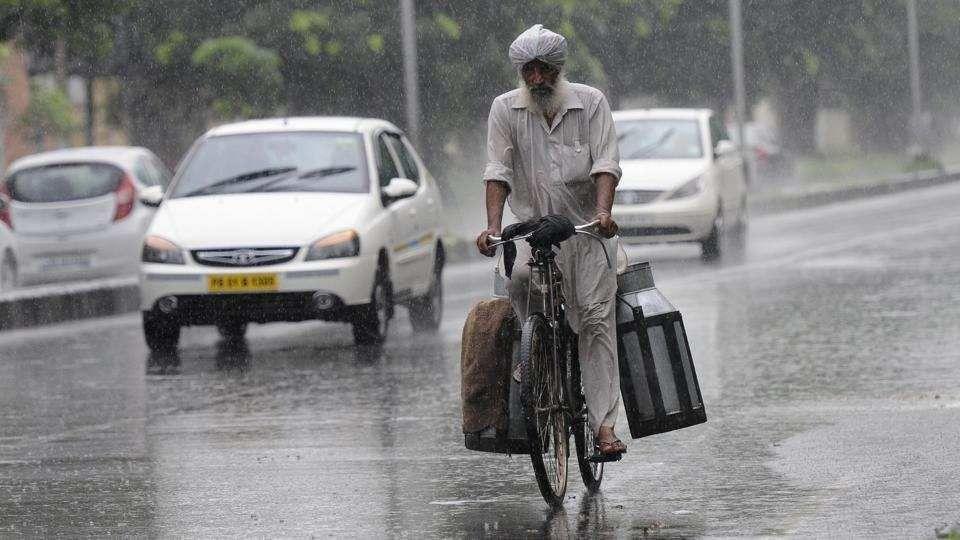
645,151
326,171
244,177
312,173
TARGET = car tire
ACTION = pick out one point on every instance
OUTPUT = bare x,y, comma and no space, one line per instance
711,246
232,330
161,333
372,321
8,273
426,312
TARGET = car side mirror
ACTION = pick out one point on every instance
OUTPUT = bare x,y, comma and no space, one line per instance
151,196
724,147
399,188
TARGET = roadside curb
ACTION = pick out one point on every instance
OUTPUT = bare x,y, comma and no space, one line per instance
895,184
73,301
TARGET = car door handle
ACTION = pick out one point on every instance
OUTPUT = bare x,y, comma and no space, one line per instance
413,212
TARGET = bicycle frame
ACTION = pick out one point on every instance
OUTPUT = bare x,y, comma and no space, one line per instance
546,273
543,263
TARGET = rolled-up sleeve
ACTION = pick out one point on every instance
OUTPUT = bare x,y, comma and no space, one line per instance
499,145
603,141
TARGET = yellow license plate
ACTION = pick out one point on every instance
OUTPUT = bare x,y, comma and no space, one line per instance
242,282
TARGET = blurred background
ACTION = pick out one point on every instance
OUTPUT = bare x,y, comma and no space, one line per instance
827,83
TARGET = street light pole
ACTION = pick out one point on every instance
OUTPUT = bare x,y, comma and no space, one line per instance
914,44
739,89
408,34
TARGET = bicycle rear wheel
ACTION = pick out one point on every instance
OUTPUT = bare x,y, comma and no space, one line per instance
583,437
545,413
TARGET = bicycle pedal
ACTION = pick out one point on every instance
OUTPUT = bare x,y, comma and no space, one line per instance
604,458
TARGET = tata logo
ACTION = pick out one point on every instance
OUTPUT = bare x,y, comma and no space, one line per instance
243,258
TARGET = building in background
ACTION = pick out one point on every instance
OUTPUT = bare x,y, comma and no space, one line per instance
19,122
15,90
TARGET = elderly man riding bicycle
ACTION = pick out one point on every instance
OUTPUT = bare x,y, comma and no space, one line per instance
552,150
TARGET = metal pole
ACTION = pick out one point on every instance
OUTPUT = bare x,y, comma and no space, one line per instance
408,31
739,89
914,43
90,116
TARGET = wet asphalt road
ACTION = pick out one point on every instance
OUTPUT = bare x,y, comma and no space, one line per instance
828,358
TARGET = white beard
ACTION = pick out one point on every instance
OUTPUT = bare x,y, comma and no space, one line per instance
546,105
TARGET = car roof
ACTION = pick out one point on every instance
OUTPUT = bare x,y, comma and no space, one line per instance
303,123
636,114
124,156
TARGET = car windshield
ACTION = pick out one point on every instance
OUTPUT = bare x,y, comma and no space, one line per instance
659,139
284,161
64,182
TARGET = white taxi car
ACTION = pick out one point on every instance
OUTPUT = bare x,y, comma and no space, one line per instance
683,180
292,219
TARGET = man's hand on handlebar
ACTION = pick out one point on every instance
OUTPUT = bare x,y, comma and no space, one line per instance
606,226
483,242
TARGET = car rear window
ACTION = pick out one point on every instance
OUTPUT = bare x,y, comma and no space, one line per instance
293,161
64,182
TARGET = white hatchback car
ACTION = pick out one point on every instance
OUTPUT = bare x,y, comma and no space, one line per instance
683,180
79,213
292,219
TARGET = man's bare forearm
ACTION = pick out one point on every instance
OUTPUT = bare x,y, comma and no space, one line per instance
606,187
496,196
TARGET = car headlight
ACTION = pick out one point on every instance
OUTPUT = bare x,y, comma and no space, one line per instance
689,189
157,249
335,246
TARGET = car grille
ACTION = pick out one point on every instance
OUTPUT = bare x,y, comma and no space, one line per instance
243,257
636,196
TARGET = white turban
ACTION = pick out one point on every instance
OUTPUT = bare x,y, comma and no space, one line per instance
538,43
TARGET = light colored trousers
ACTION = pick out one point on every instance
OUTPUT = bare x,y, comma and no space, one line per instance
589,286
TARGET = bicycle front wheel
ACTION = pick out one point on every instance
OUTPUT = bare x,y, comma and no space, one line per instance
583,437
545,413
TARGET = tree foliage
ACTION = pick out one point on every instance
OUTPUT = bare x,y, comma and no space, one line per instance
246,78
184,63
49,113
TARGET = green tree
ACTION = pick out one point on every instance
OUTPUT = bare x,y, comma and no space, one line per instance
49,114
241,79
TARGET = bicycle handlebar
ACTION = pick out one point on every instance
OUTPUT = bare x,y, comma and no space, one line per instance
579,229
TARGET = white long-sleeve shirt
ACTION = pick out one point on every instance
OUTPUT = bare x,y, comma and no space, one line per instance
551,169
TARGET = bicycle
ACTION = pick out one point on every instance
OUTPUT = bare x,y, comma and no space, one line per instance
551,389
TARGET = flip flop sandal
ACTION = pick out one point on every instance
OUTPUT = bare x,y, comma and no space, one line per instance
603,457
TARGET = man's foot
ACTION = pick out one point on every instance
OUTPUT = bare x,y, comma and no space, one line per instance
608,444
